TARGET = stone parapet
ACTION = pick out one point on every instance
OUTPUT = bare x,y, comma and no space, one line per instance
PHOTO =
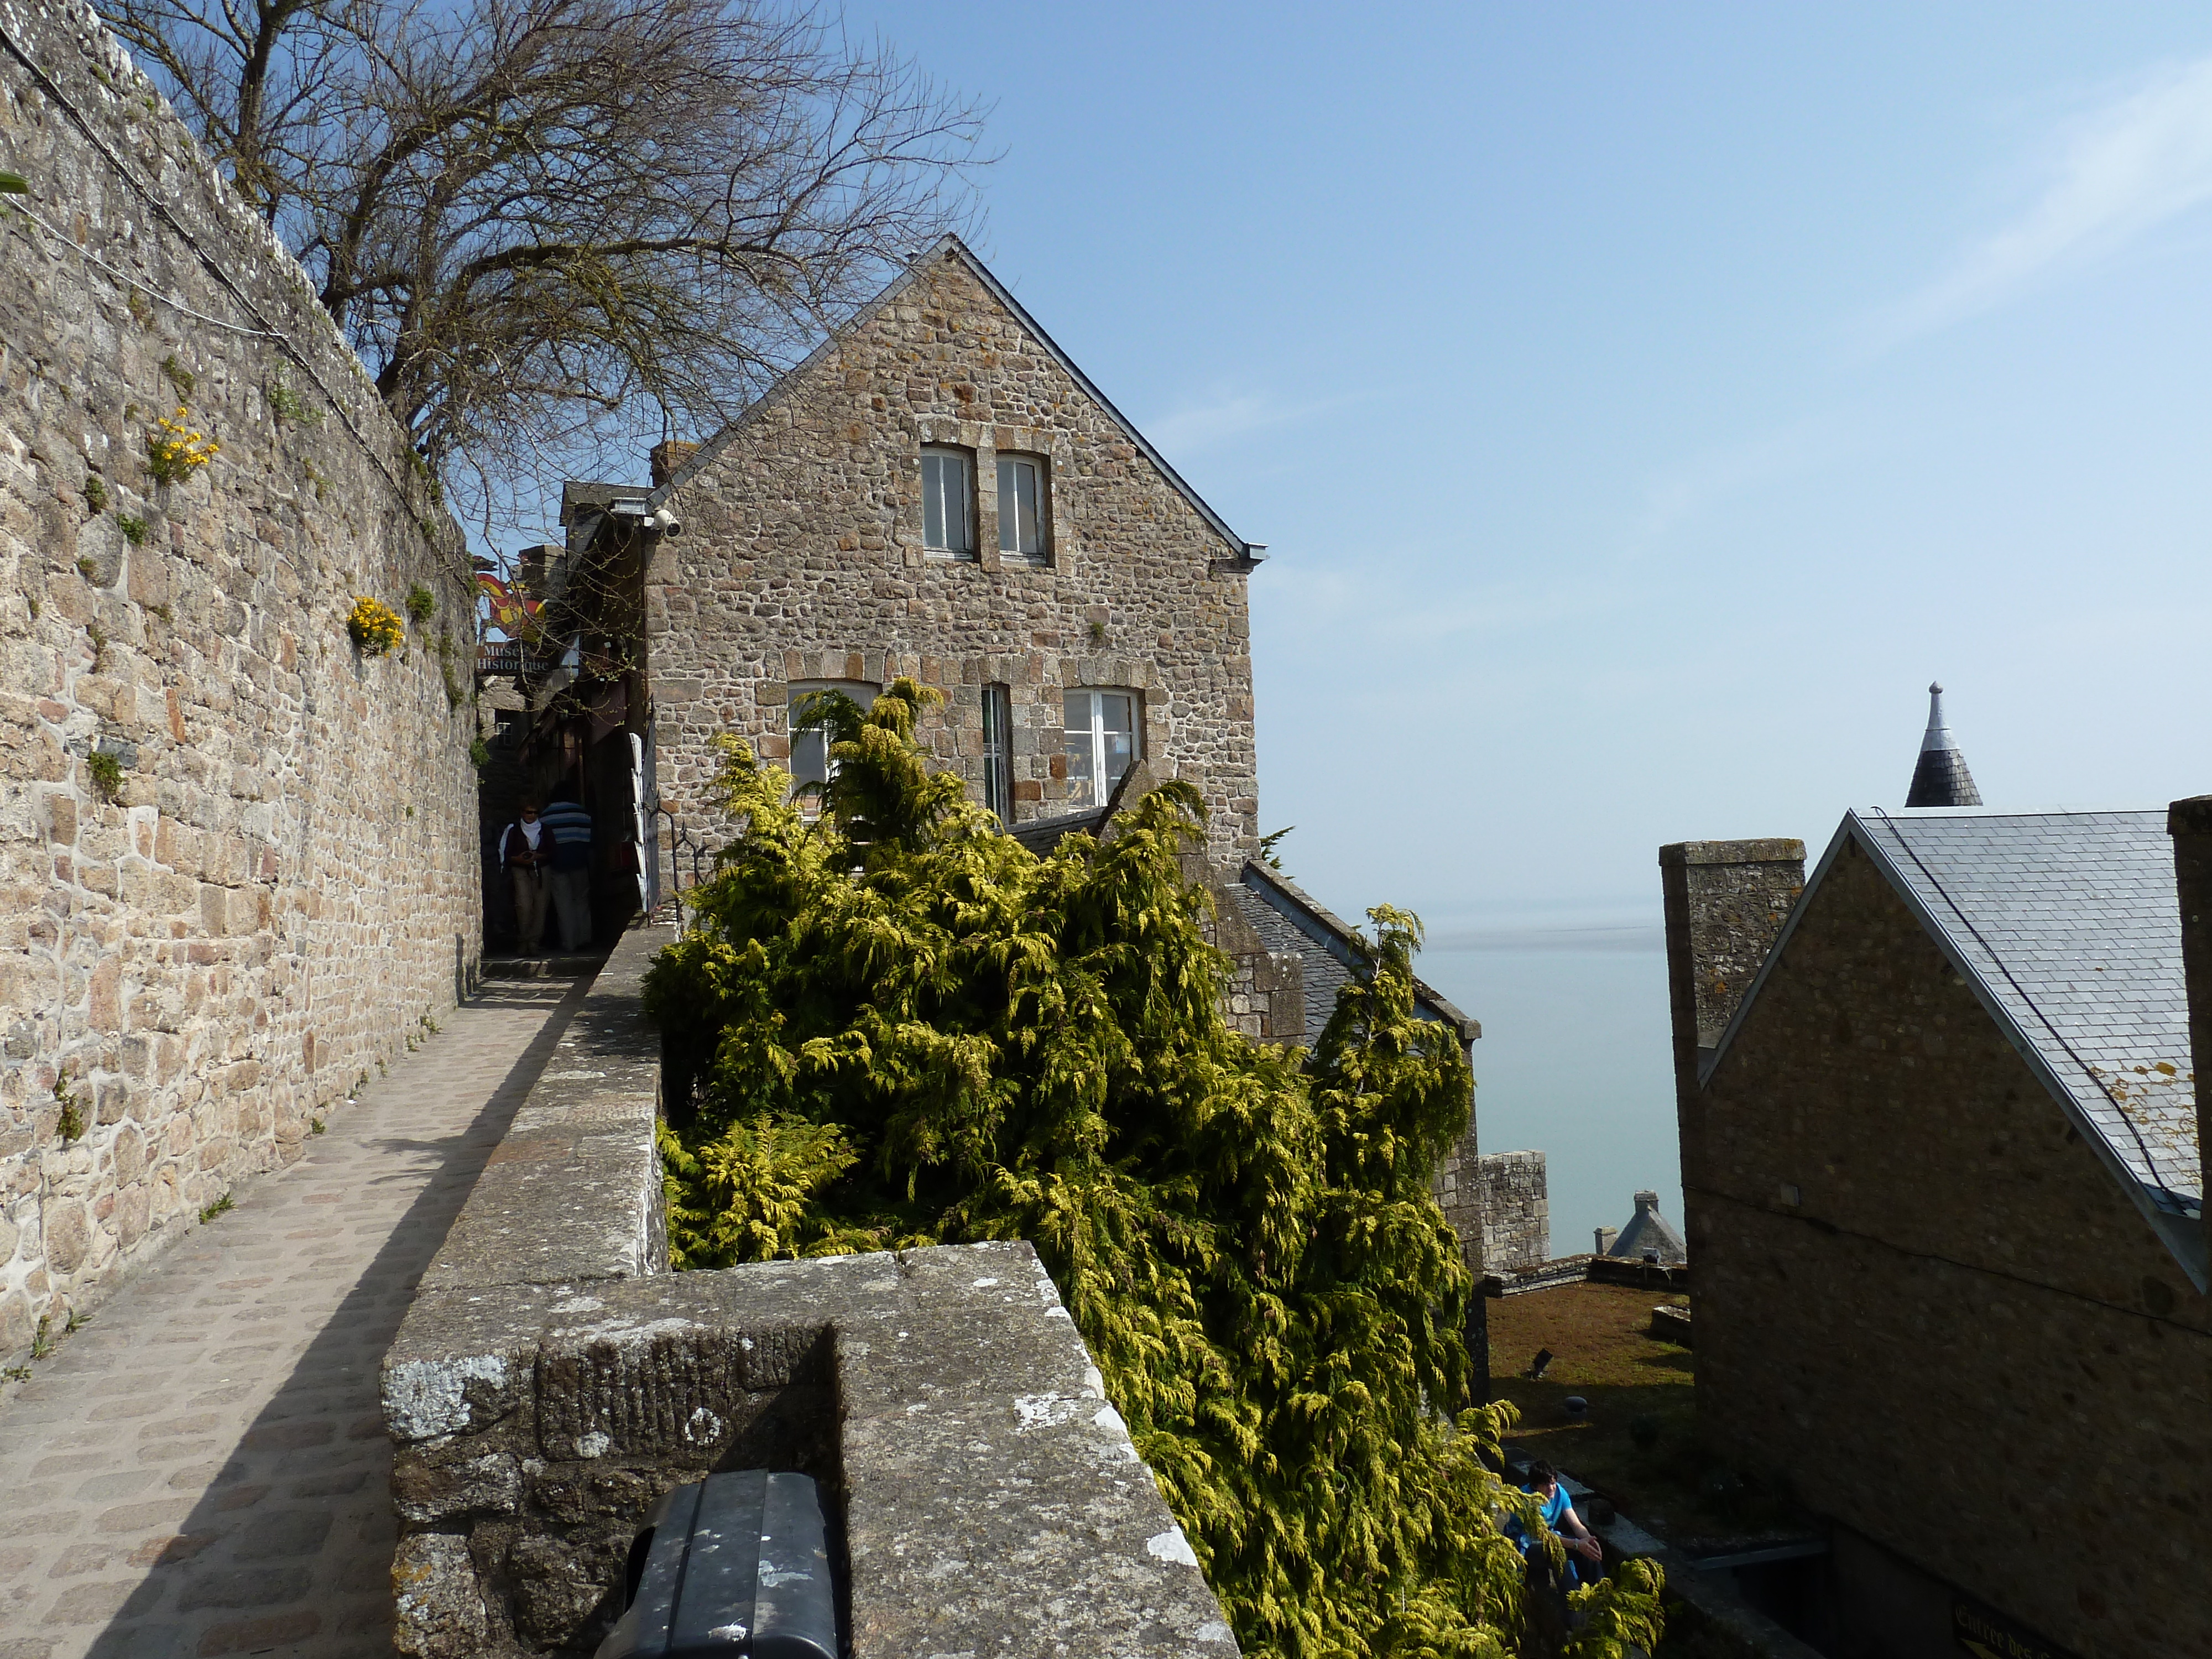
551,1382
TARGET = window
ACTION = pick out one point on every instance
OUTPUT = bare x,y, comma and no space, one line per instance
999,752
1021,506
948,502
810,745
1101,743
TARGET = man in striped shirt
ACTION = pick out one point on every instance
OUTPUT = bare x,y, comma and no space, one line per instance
570,876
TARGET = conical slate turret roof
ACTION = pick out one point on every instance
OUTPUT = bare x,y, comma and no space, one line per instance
1941,778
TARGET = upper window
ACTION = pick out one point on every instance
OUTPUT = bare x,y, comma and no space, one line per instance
810,745
999,751
948,502
1021,504
1101,743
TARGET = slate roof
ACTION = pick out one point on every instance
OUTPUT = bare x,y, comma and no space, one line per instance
1940,778
1287,917
1648,1232
2068,928
1040,835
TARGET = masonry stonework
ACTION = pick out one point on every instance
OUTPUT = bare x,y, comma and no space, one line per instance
1515,1211
802,558
1914,1277
281,883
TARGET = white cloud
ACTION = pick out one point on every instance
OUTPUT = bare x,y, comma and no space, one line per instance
1200,425
2121,170
1689,491
1225,415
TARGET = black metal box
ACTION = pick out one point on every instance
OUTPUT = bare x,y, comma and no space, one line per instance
733,1564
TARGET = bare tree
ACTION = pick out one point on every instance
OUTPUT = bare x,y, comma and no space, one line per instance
550,226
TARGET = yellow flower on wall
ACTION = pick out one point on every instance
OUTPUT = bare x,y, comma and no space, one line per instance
375,626
174,451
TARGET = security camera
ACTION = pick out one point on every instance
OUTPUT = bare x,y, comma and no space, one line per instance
665,522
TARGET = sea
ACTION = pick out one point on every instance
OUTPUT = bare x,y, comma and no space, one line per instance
1575,1059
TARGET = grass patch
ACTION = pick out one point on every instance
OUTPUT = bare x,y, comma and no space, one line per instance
222,1207
70,1124
106,772
1637,1443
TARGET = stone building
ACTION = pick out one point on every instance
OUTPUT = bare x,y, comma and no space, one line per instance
938,491
1944,1180
235,866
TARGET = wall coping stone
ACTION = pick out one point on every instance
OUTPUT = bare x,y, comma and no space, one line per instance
1774,849
993,1498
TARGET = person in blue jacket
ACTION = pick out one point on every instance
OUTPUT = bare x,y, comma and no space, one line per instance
1558,1512
570,826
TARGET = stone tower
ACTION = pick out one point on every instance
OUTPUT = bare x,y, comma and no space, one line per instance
1941,778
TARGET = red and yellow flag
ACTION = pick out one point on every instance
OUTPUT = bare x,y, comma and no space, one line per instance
513,614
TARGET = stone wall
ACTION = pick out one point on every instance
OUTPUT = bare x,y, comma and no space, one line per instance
1923,1297
551,1382
282,884
1515,1211
801,558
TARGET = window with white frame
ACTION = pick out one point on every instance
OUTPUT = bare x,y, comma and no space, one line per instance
1023,506
810,745
999,751
948,500
1101,735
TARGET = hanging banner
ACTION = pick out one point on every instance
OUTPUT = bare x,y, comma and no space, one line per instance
512,613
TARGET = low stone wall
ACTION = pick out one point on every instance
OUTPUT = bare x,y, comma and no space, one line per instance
551,1382
1515,1211
236,864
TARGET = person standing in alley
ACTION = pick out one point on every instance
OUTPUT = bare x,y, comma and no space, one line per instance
570,826
524,850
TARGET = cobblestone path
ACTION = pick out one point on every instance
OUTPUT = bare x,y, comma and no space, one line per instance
202,1469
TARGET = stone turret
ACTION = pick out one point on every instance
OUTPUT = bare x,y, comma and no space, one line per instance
1941,778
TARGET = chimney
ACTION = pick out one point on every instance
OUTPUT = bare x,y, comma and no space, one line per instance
1726,900
1605,1237
666,456
2190,822
1941,778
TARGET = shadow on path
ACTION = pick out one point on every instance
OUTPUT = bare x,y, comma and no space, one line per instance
288,1550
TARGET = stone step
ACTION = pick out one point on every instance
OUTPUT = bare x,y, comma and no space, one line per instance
551,966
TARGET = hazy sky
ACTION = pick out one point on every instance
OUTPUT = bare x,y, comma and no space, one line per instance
1640,405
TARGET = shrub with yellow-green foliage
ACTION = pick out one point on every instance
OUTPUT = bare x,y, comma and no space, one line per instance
909,1029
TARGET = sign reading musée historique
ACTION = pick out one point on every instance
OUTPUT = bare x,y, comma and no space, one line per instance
1989,1635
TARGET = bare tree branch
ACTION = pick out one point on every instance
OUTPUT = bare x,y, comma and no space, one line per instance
551,227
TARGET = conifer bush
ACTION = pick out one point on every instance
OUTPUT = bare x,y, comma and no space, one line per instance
907,1029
